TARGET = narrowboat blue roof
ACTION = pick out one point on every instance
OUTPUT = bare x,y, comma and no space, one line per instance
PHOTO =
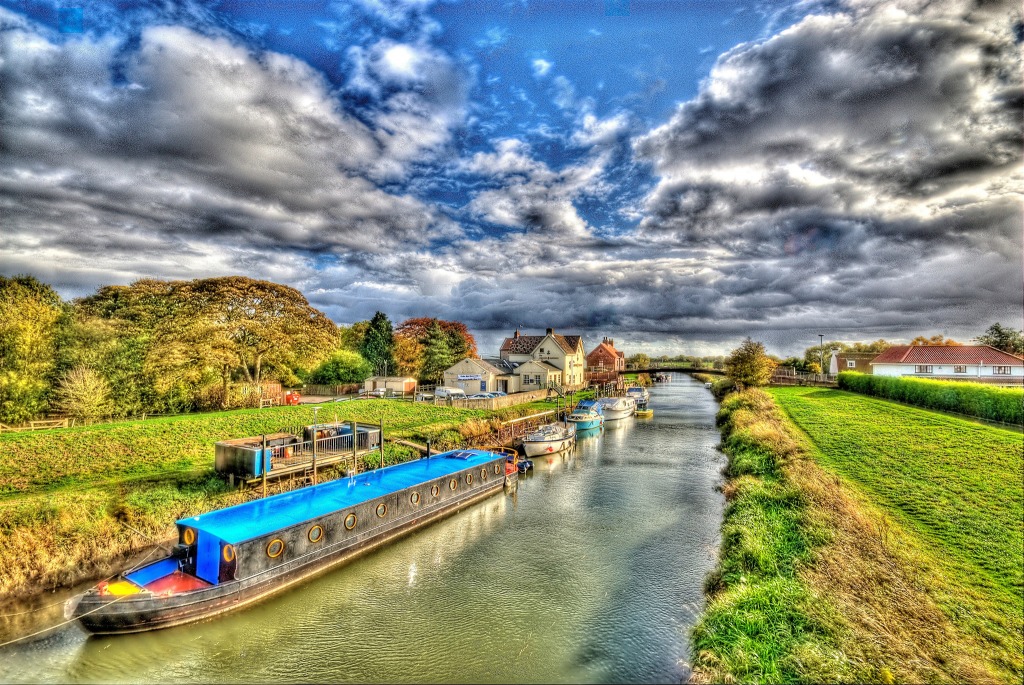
263,516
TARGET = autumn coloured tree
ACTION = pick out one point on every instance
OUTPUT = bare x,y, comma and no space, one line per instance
411,338
749,365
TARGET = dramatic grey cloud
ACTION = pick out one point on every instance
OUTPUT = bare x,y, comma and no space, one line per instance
857,173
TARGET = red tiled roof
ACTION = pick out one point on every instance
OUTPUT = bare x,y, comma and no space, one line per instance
946,354
605,350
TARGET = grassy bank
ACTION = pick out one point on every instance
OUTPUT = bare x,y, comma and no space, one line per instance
76,503
838,566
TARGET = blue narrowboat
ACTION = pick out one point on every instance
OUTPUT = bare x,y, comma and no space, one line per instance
232,557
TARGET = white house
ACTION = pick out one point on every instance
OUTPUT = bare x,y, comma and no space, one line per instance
548,358
978,363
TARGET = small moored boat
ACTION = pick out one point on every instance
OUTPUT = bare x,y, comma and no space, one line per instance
639,394
232,557
616,408
644,413
587,414
550,438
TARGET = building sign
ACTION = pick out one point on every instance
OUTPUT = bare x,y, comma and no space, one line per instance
469,377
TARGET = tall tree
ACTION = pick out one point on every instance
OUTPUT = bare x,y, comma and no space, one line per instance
749,365
351,337
29,315
1005,339
437,354
378,345
408,355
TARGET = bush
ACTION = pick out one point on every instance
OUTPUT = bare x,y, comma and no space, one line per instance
973,399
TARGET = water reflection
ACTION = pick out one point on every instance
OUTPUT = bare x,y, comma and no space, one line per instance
591,571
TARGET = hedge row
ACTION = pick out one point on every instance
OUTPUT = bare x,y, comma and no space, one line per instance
973,399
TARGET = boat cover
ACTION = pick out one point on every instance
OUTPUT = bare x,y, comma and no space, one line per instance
263,516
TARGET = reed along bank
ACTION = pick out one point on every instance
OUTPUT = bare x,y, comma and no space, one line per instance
864,541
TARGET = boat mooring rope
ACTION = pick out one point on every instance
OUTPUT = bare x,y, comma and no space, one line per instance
79,594
61,624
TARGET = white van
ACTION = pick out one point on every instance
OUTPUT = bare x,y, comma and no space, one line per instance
450,393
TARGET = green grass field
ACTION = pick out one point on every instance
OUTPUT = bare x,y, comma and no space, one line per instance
954,486
864,541
139,449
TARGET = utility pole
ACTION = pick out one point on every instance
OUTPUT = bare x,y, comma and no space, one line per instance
821,351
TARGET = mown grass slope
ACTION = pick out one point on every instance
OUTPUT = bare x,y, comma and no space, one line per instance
844,552
954,485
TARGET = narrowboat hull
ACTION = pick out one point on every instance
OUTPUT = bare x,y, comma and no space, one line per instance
106,615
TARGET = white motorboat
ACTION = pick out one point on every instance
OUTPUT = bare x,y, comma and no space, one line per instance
616,408
639,394
550,438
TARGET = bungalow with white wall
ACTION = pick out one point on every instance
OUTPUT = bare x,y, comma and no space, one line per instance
482,375
978,363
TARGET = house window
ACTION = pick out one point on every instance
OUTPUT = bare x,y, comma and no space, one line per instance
960,369
1001,370
851,364
922,368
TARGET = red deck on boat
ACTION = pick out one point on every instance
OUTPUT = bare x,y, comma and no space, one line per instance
176,582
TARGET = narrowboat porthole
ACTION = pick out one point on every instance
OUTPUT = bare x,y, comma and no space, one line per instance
483,474
434,490
350,522
382,510
414,498
497,469
469,479
228,553
453,483
189,536
275,547
316,534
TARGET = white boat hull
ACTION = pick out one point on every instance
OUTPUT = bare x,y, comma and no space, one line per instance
540,448
622,408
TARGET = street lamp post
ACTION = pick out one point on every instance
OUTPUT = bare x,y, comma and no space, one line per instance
316,427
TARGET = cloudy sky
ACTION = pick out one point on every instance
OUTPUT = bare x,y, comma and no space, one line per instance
677,175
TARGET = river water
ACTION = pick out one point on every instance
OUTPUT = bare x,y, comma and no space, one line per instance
591,571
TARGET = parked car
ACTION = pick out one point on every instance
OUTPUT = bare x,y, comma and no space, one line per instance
453,393
424,397
480,396
376,392
498,393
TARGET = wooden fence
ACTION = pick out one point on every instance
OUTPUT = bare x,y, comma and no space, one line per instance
45,424
497,402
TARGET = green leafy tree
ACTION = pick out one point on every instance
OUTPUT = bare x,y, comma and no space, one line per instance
639,361
351,337
84,394
437,354
344,366
378,345
749,365
30,312
1005,339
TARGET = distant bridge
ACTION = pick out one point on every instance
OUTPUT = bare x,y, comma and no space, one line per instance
676,369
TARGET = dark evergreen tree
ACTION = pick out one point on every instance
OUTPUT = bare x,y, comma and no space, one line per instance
437,353
378,345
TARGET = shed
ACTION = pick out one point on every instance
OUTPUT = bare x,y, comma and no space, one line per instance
402,384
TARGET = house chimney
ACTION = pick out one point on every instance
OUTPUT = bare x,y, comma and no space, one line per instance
516,334
550,331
